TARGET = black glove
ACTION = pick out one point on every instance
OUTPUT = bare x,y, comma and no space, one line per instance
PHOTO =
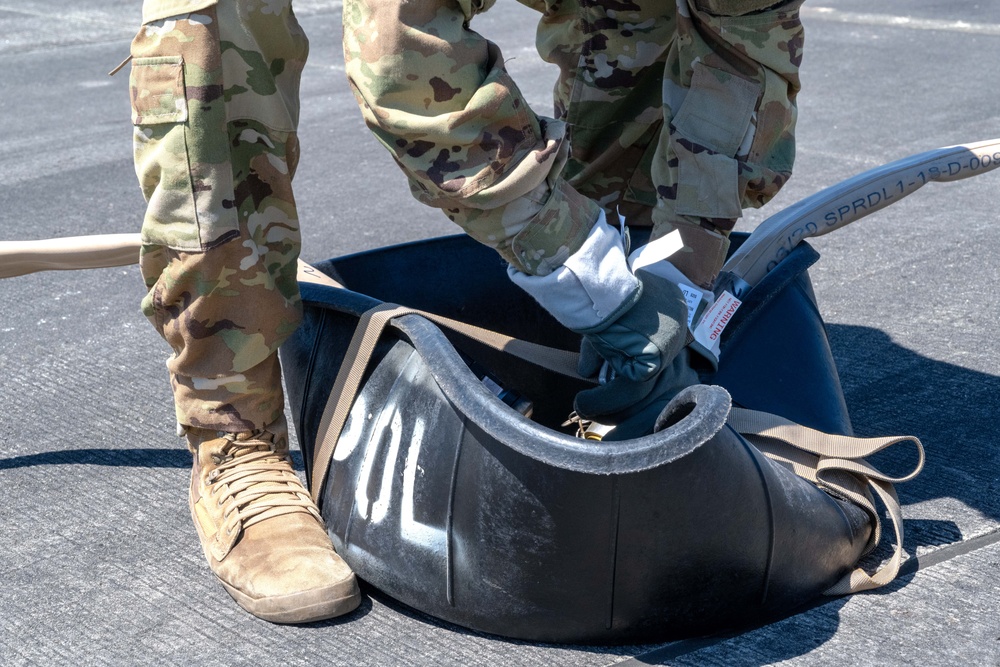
643,347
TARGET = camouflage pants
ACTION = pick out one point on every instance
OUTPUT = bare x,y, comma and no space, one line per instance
679,113
215,109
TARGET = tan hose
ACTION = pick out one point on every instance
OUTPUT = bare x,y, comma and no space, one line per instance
847,202
75,252
18,258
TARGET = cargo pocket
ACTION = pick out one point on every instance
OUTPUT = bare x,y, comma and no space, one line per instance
181,158
157,88
708,130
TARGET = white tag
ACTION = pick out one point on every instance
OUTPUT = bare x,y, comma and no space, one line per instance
654,251
714,321
693,297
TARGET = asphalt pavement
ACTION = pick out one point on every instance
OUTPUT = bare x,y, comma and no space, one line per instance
99,563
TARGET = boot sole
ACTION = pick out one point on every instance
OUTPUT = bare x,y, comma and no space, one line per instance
304,606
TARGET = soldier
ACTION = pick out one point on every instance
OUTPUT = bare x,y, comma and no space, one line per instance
675,116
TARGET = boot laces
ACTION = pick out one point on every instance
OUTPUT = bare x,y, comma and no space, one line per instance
255,482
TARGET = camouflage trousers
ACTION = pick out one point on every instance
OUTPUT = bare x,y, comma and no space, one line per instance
215,111
678,113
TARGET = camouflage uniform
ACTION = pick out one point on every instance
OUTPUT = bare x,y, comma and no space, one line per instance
215,108
678,114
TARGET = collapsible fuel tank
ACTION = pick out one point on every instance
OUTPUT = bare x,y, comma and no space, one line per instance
447,497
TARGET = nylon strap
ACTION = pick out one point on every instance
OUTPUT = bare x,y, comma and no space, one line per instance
836,463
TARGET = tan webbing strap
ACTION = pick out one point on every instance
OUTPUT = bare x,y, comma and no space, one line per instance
345,386
835,462
359,351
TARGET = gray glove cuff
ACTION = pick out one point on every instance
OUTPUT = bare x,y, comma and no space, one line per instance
592,288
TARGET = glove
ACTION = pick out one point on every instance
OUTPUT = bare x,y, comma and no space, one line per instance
632,407
645,349
639,342
637,324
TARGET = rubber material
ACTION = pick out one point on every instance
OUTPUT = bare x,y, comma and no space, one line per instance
445,498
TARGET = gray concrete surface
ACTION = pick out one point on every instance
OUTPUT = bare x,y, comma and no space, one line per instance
98,561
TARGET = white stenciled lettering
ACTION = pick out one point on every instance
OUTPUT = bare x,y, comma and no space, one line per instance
415,532
382,504
390,423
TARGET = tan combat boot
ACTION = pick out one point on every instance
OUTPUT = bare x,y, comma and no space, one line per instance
262,534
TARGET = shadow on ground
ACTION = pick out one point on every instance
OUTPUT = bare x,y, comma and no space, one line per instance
137,457
892,390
